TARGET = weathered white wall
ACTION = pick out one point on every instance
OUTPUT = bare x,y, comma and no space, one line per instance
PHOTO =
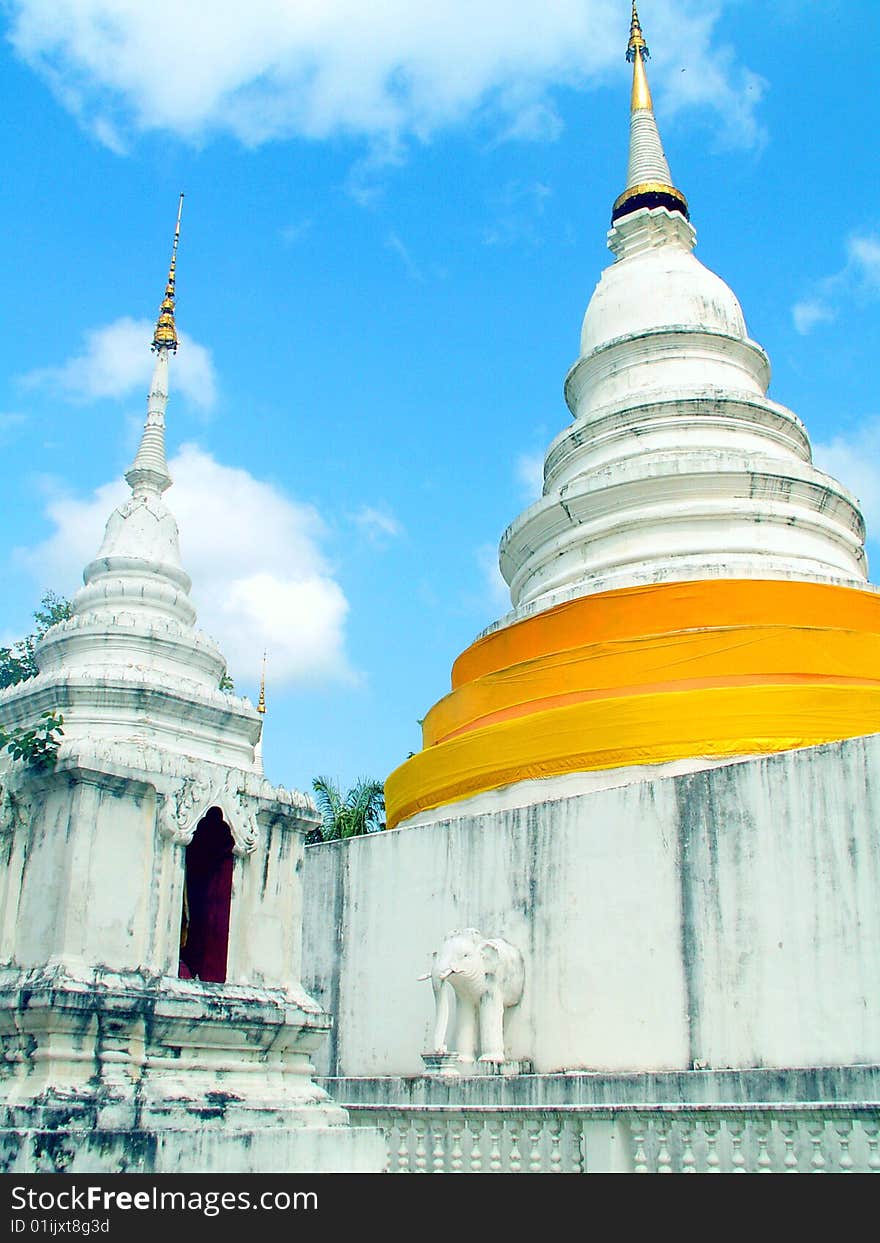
90,877
729,916
109,1061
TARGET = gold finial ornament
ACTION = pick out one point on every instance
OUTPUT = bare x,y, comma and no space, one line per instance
649,181
637,53
261,702
637,42
165,336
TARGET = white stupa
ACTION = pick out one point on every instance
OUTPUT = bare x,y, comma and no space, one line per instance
151,1012
130,662
677,465
690,587
657,780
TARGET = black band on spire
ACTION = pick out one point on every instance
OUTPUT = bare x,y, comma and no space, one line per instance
650,198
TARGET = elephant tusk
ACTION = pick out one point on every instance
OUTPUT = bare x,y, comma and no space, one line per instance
424,977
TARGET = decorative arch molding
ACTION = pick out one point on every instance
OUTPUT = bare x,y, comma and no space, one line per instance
182,809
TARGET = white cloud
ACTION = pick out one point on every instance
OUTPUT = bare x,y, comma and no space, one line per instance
864,257
710,80
519,207
496,588
405,68
260,578
530,474
292,233
854,460
809,313
116,362
377,524
860,275
413,271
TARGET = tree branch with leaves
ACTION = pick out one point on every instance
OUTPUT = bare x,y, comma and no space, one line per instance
38,745
17,663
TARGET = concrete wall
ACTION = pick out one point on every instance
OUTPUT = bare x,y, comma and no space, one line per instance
729,916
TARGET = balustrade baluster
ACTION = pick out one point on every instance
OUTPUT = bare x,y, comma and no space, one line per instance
816,1132
664,1159
688,1159
789,1129
763,1127
403,1128
456,1155
535,1130
843,1127
871,1130
579,1144
711,1128
736,1125
514,1157
438,1151
638,1129
390,1142
420,1127
496,1130
556,1144
475,1131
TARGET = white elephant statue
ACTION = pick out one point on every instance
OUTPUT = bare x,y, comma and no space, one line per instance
484,976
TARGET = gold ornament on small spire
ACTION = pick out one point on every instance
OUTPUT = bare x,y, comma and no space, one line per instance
649,183
636,38
261,702
165,336
637,53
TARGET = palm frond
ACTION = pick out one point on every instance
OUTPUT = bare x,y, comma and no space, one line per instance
329,802
360,811
365,803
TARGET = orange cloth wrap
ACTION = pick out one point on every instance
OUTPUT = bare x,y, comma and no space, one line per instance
644,675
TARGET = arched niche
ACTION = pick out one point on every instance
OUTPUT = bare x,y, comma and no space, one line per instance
204,929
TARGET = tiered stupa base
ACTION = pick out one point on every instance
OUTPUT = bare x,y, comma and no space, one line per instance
711,670
117,1073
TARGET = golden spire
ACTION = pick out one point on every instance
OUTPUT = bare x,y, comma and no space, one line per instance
649,181
636,38
165,336
261,702
637,53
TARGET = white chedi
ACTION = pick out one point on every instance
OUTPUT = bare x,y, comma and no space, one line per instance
677,465
130,665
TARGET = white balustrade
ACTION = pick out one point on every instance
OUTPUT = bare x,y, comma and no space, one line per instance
680,1139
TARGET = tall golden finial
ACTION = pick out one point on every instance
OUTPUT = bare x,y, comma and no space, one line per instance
637,53
636,38
648,179
261,702
165,336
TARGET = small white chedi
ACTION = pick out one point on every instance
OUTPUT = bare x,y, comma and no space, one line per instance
151,1011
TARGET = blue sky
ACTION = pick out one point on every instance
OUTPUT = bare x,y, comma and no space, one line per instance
395,218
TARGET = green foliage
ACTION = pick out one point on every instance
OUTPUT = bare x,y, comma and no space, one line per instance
38,746
226,683
359,811
17,663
